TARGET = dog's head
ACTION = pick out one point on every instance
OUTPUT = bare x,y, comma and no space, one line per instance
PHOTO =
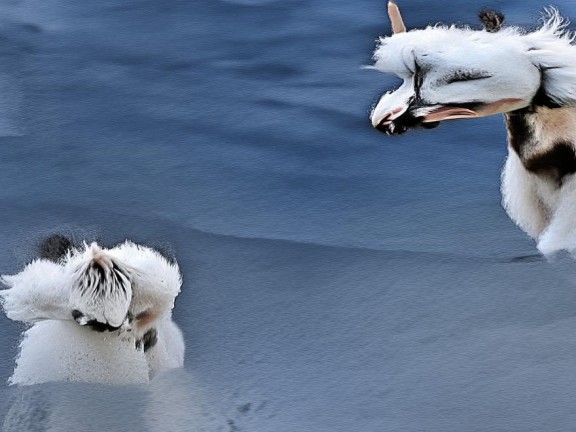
458,73
102,288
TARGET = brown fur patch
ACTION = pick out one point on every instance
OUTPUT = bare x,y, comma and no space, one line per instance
146,317
544,139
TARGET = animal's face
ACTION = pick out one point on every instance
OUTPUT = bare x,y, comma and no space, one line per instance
453,73
102,288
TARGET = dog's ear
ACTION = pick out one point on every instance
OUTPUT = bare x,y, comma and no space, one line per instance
558,77
55,247
551,51
491,20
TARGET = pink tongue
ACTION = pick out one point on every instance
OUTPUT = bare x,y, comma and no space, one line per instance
449,113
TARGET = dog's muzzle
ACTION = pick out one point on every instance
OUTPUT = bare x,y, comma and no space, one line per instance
396,112
403,123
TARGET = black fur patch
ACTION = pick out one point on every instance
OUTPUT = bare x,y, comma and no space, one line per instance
55,247
541,98
101,327
400,125
521,134
93,324
491,20
558,162
77,315
149,340
461,75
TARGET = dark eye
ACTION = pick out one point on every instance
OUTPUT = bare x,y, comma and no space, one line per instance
466,75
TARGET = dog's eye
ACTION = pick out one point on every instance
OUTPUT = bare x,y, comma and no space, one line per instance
466,75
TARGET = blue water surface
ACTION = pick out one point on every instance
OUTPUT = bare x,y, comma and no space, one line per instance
335,279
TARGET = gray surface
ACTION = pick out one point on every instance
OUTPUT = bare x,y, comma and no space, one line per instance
335,279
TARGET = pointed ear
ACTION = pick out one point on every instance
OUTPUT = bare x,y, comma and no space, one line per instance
395,17
557,67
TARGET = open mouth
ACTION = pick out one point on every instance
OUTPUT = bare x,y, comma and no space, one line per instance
468,110
429,117
448,113
425,117
405,122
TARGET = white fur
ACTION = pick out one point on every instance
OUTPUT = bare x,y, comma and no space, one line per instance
169,351
544,56
515,66
39,292
156,282
544,209
522,194
58,348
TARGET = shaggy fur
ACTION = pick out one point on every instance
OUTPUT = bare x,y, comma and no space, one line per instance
125,293
451,72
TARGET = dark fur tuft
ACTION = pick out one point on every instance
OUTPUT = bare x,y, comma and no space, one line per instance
491,20
55,247
149,340
97,281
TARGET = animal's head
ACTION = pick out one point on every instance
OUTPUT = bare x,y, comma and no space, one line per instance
454,73
98,274
102,289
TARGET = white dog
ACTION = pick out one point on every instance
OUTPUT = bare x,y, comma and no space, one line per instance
530,76
97,315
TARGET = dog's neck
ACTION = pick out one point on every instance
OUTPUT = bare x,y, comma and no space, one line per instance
545,140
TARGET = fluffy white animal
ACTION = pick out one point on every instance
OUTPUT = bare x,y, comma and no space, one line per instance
459,73
97,315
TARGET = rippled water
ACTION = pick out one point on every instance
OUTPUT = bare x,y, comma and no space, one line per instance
335,279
